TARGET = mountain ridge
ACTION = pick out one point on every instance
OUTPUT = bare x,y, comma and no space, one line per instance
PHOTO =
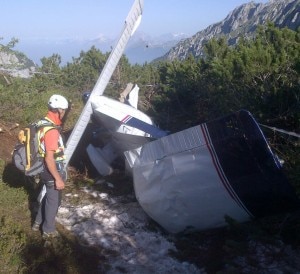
243,20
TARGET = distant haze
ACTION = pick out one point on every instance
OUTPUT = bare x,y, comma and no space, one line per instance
141,48
67,27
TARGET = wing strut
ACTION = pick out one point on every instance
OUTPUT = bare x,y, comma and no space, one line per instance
131,23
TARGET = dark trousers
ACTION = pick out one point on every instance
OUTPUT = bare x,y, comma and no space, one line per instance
48,209
51,201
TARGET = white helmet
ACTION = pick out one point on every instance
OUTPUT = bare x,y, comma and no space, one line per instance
58,101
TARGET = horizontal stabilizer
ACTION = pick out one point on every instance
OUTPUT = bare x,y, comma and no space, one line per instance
134,96
97,158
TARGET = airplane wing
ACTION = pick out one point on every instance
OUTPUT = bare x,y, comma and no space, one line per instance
131,23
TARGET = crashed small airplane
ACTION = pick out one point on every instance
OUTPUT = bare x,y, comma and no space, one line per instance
189,180
128,127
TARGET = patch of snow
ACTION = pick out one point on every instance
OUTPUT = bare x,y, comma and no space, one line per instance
120,229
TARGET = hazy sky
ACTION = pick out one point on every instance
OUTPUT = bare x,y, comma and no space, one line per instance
88,19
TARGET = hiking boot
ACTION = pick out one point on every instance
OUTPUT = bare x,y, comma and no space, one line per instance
35,227
50,235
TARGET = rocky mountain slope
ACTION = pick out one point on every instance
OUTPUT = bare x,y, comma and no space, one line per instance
15,63
241,21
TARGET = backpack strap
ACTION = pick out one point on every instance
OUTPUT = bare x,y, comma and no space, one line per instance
43,126
47,122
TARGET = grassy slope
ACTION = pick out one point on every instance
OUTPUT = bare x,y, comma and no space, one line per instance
22,250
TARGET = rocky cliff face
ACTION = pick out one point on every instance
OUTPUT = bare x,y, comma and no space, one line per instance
15,63
241,21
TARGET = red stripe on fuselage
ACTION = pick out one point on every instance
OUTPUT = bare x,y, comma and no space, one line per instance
126,119
219,169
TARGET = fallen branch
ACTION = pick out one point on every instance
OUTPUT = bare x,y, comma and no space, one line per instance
4,128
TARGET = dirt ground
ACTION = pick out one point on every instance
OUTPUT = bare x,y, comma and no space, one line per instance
8,140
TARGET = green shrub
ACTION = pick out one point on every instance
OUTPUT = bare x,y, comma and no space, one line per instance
12,237
11,199
12,241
